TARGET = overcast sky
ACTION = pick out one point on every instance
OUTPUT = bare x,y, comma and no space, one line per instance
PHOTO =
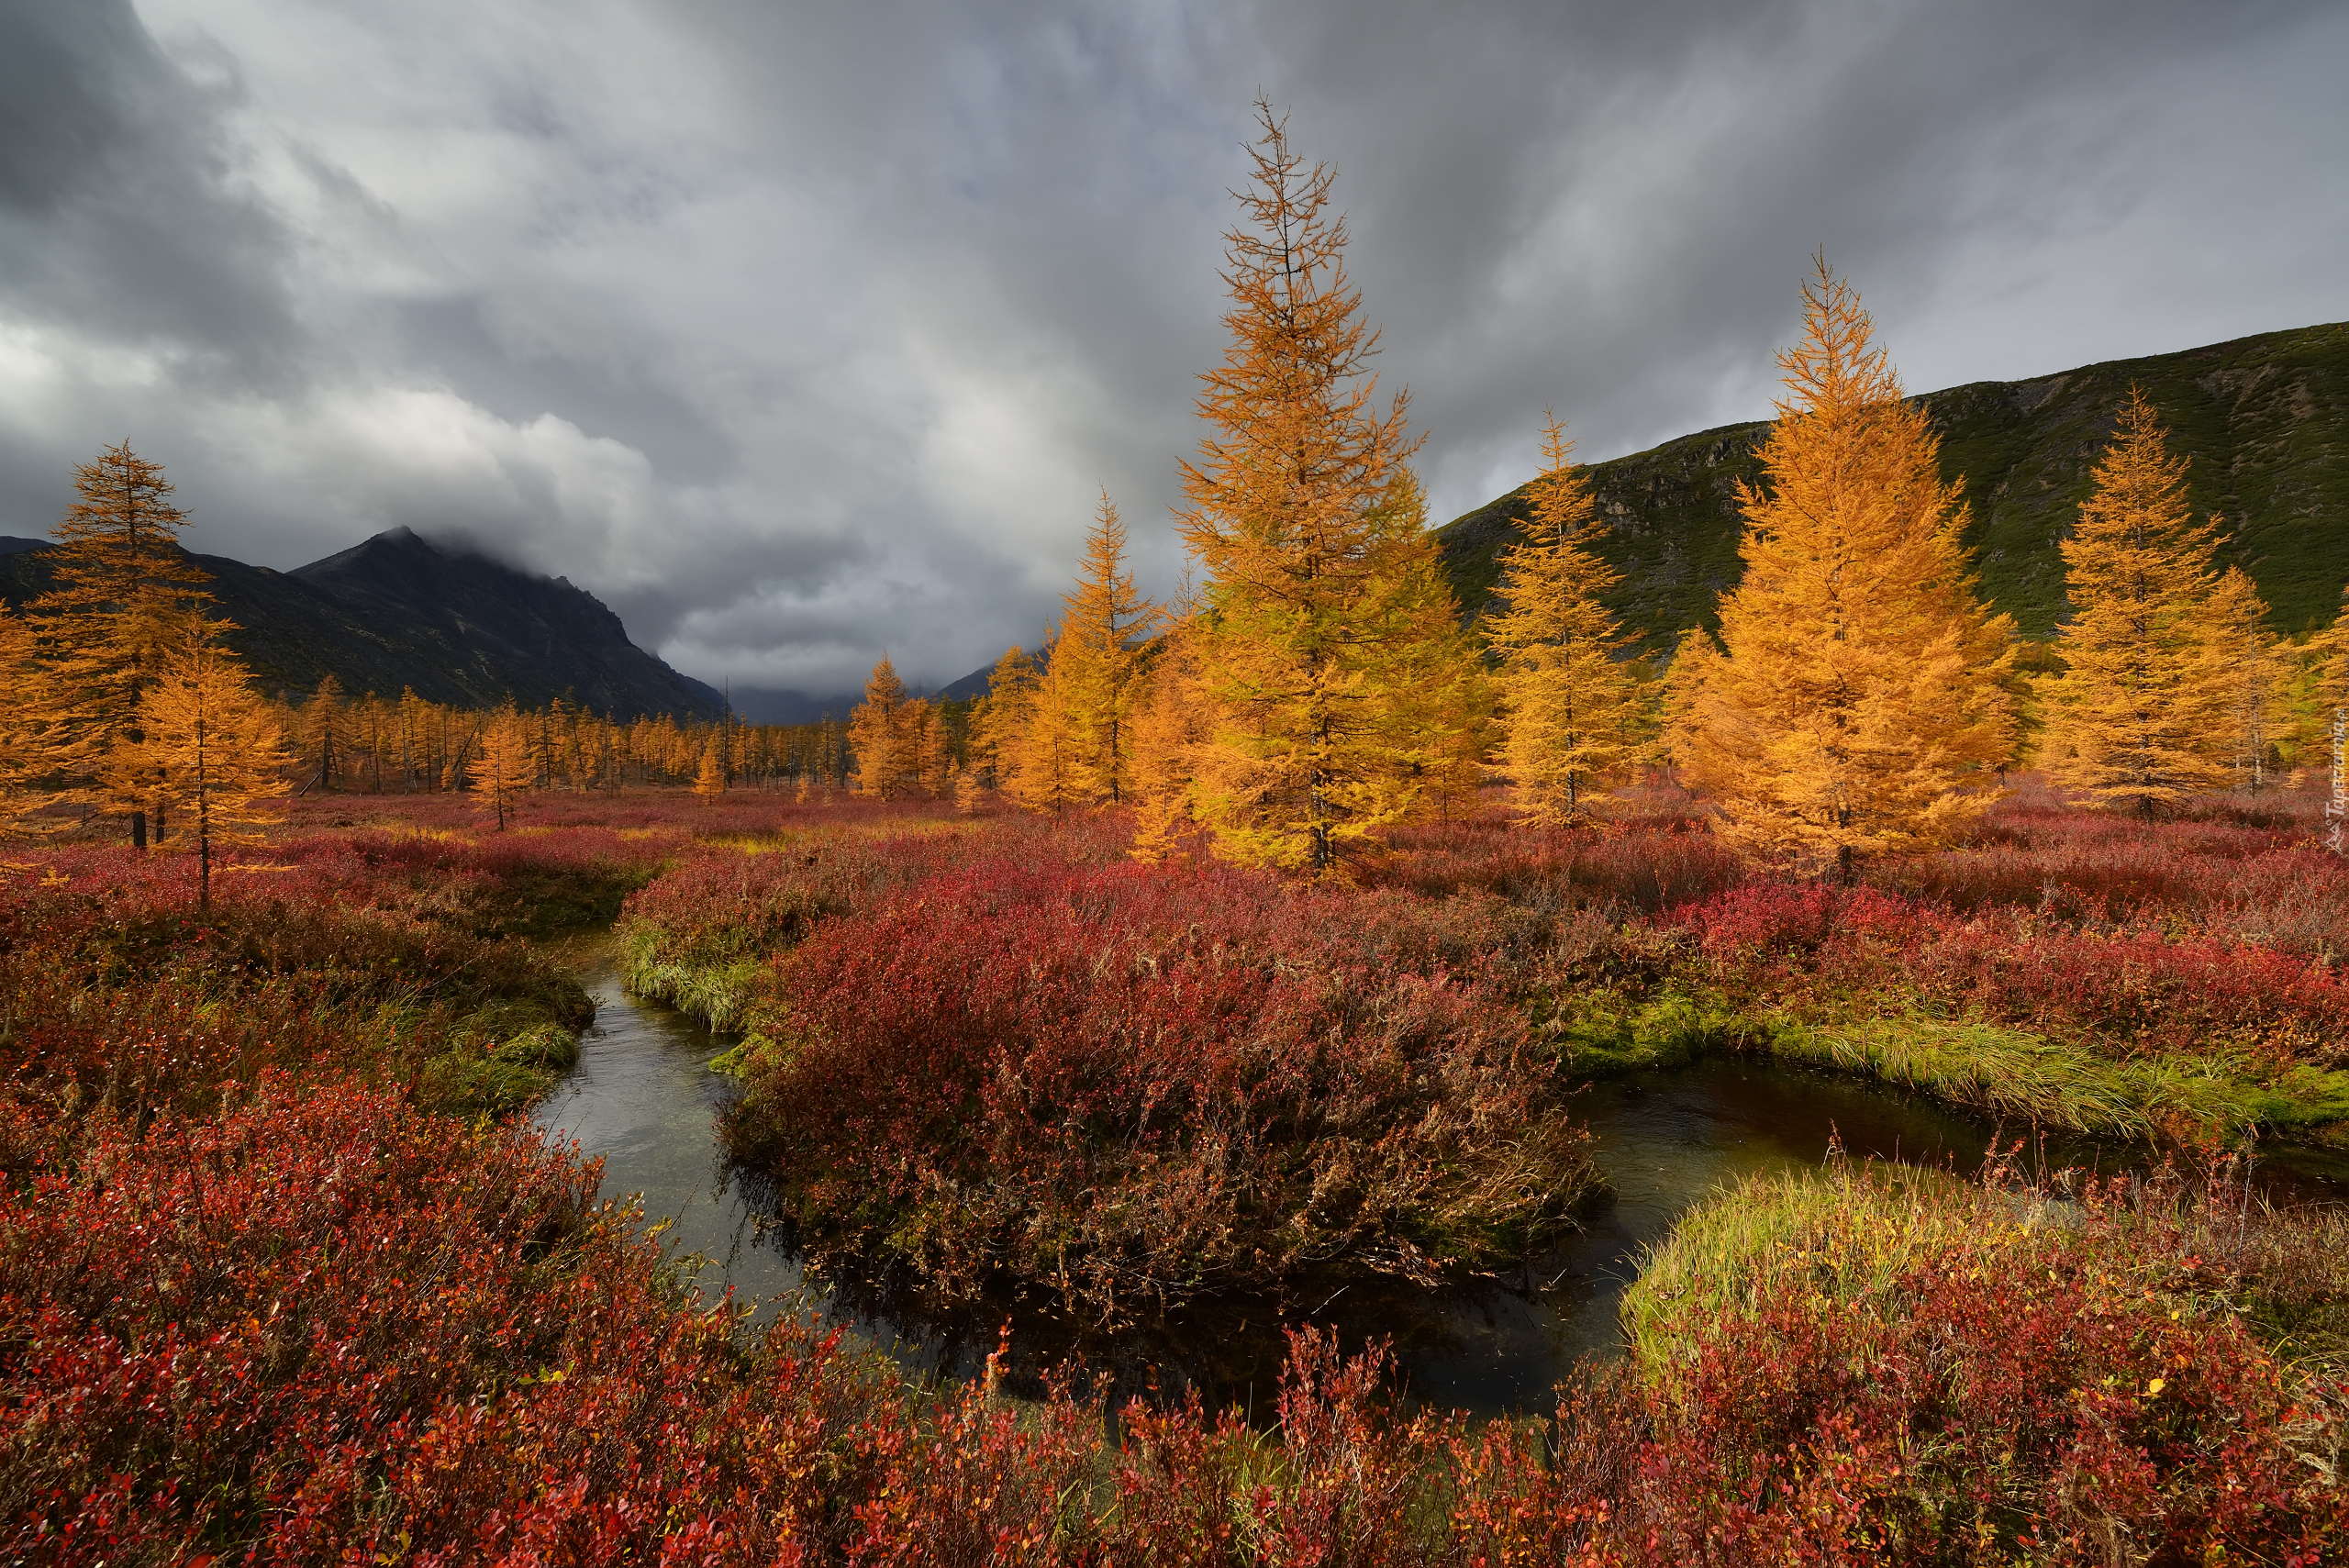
795,331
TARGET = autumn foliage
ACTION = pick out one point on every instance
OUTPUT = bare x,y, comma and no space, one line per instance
1853,704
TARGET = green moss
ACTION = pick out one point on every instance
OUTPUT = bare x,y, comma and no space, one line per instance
2005,1073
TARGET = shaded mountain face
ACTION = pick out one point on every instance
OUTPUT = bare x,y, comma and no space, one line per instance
400,612
2264,421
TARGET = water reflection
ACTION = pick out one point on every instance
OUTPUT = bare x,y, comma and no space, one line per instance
643,1098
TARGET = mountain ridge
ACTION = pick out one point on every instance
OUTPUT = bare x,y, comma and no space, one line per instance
2264,420
395,611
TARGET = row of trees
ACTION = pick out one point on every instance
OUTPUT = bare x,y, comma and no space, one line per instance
120,704
1858,698
410,746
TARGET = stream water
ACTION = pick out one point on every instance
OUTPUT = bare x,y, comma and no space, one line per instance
643,1097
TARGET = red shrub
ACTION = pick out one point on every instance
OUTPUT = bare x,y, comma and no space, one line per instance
1146,1080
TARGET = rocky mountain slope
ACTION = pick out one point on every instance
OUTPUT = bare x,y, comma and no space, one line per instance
2264,420
398,611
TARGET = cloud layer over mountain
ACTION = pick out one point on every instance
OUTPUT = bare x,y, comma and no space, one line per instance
799,331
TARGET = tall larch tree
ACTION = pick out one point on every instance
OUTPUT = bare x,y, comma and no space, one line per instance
1104,624
1048,752
503,768
327,732
2139,717
1855,702
1570,703
1312,632
1000,717
887,765
123,595
213,748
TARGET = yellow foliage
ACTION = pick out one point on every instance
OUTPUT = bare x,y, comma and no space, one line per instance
709,781
1572,707
884,736
2141,712
125,596
1000,720
1855,702
1323,613
1097,658
211,747
505,767
1170,724
28,721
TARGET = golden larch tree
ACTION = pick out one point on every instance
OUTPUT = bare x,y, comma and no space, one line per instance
326,731
1570,703
1315,598
2140,714
709,779
123,595
925,747
1046,754
28,724
2249,659
1855,701
1170,723
2319,687
505,766
214,748
886,750
998,718
1104,624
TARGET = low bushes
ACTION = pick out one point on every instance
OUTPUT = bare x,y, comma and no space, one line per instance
1882,1367
261,1300
1139,1082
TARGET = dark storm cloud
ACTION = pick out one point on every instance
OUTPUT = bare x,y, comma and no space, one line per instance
797,332
116,207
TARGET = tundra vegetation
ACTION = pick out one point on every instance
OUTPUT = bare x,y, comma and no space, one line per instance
1238,946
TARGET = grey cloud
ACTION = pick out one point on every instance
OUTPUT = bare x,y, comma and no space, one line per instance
799,331
118,211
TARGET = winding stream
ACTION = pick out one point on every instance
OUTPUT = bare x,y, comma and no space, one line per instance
643,1099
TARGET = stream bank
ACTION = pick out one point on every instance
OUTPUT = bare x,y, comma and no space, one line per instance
643,1100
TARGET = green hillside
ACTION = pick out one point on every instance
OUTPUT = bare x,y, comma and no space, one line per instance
2264,420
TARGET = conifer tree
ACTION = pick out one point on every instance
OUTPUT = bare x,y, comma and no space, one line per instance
1000,720
1098,654
326,731
2248,660
709,780
1855,701
2322,684
966,792
28,721
1570,702
1047,753
1170,724
887,762
1316,599
123,595
503,768
924,747
213,748
2140,714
